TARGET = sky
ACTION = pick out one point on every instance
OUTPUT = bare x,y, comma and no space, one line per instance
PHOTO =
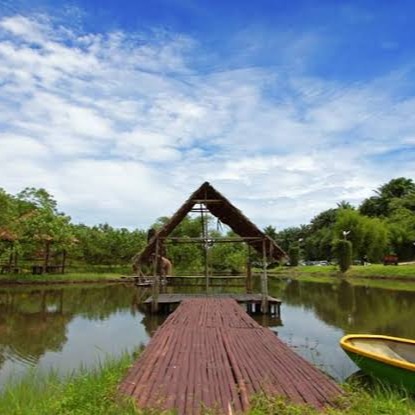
121,109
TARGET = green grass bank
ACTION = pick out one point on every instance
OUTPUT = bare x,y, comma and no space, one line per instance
71,277
94,391
375,271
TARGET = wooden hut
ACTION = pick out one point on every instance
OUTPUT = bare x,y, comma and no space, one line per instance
10,239
206,199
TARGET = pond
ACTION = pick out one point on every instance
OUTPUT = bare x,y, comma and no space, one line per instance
62,327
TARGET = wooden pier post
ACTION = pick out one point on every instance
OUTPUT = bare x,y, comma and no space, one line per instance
204,223
249,272
156,287
264,279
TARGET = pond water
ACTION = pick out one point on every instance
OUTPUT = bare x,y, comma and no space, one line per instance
62,327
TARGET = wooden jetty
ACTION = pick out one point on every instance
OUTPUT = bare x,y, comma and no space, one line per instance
210,354
253,302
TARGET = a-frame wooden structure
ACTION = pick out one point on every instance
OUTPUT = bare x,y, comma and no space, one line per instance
206,199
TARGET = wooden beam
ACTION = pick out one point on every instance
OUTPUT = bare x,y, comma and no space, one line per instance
214,240
155,296
248,273
207,201
264,279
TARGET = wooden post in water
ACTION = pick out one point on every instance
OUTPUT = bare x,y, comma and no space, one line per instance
264,279
249,272
205,248
46,256
63,261
156,288
10,265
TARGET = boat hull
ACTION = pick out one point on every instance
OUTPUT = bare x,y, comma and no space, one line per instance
392,369
384,372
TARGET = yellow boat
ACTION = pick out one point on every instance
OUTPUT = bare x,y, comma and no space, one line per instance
390,359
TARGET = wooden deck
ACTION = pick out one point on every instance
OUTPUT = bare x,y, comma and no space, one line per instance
240,298
167,302
210,354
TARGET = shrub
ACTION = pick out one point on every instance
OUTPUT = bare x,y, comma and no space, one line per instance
343,251
294,254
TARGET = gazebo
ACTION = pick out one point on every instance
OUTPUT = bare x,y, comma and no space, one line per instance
206,199
9,238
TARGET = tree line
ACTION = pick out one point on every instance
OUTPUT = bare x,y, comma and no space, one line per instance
383,224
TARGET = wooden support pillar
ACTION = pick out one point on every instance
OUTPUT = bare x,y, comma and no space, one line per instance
156,282
15,257
249,272
264,279
11,256
63,261
46,257
205,248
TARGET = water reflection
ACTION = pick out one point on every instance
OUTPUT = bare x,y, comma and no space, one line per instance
354,309
61,327
317,315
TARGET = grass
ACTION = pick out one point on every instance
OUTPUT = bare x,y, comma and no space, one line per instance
86,391
356,401
59,278
404,272
94,391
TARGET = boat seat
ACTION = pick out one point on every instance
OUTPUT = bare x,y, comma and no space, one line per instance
378,348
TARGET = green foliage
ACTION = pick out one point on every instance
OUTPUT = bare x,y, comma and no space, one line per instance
92,391
104,244
343,251
356,401
384,223
381,204
369,236
271,232
230,257
294,254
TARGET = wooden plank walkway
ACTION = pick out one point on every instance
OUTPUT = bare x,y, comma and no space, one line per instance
240,298
211,354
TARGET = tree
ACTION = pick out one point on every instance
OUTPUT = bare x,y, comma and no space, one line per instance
396,188
380,205
369,236
294,254
343,250
271,232
325,219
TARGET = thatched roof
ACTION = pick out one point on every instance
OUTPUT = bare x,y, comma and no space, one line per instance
227,213
7,235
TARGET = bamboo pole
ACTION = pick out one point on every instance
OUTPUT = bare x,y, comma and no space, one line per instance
264,279
156,288
215,240
249,273
63,261
46,258
11,256
205,250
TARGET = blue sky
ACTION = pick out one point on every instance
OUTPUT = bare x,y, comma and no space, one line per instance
121,109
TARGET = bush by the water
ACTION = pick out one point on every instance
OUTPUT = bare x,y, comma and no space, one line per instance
343,250
294,254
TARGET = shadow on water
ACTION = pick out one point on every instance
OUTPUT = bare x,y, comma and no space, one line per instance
65,326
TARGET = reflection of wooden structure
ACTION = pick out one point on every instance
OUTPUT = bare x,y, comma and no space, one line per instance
10,239
210,356
206,200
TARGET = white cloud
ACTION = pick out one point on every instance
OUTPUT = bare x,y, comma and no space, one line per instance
121,127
